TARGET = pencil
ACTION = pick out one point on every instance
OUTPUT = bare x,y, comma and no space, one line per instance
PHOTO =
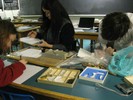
29,35
20,57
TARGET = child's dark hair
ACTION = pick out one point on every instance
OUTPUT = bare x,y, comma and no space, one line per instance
115,25
6,28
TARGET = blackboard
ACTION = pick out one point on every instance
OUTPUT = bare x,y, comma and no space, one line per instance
30,7
1,5
33,7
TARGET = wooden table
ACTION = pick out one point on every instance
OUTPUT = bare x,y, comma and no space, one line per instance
83,90
46,93
91,35
46,59
28,23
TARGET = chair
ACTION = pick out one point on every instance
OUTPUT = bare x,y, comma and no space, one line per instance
14,96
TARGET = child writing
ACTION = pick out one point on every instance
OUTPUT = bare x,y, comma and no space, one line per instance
13,71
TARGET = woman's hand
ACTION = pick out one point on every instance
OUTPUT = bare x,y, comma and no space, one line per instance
32,34
23,61
45,44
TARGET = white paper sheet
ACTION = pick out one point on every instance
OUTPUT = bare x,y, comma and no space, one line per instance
23,28
28,72
83,53
29,40
79,30
34,53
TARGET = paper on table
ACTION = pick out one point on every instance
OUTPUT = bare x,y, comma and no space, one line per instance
79,30
83,53
29,40
28,72
23,28
34,53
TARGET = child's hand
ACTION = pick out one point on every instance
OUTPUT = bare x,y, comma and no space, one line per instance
45,44
32,34
109,50
23,61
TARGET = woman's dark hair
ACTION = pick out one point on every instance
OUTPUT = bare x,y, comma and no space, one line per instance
57,14
115,25
6,28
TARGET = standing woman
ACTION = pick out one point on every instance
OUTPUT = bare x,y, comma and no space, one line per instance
13,71
57,30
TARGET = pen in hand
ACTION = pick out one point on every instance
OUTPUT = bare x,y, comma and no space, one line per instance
20,57
23,60
32,34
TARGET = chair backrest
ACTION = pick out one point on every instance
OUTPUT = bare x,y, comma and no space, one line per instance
14,96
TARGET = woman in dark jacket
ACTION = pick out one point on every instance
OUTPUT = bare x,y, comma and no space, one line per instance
57,30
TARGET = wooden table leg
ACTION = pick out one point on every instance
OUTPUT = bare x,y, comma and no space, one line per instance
20,43
81,43
92,44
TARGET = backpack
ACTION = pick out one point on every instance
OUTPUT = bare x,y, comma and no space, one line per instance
122,62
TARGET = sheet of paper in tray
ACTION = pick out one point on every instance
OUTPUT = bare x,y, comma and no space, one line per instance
94,74
30,41
59,76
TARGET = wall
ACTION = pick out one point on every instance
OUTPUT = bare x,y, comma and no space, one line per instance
9,14
6,14
32,7
24,8
75,18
